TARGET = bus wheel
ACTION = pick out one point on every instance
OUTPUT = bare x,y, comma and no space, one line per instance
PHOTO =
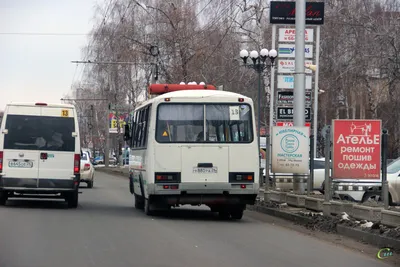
224,215
237,214
147,207
139,202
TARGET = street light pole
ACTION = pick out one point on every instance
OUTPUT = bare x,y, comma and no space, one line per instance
299,86
259,65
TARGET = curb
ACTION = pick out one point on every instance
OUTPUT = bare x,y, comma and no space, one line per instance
282,214
353,233
370,238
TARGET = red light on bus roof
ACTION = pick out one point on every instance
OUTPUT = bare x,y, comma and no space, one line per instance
40,104
167,99
158,89
241,99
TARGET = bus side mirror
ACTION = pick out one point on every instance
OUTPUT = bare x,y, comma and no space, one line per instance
127,135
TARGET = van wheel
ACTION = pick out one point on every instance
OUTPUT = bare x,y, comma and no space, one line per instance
72,199
147,207
139,202
3,198
90,184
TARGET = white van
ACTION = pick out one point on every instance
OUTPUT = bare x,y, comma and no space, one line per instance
40,152
194,147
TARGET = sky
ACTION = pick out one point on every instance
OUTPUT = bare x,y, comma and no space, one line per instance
37,68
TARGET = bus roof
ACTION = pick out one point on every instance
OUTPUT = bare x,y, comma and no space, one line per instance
184,94
35,104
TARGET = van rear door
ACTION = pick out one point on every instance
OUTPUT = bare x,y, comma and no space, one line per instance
21,156
57,156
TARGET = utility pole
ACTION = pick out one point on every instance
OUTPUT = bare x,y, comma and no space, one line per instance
92,128
299,86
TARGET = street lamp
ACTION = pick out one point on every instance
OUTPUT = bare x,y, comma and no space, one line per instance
259,65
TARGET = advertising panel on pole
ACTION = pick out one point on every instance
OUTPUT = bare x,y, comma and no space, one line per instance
283,12
288,66
290,150
123,119
289,124
287,97
356,149
288,50
286,113
288,35
287,82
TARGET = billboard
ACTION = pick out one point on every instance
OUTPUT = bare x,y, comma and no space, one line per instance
288,35
288,50
356,149
287,97
290,149
290,124
284,12
288,66
112,118
286,113
287,82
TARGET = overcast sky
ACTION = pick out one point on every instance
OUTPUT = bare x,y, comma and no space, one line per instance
35,67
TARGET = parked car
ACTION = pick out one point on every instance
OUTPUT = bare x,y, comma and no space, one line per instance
87,170
362,190
100,160
283,181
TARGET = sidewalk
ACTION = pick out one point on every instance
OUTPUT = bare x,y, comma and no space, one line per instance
122,171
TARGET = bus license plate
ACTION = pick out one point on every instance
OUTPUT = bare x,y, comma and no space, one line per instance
20,164
205,170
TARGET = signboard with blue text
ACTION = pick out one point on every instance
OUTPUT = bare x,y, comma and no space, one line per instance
290,150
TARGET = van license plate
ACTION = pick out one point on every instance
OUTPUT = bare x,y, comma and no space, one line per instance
20,164
205,170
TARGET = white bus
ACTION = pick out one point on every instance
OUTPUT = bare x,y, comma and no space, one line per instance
194,147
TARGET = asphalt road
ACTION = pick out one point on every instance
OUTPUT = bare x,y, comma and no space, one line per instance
106,231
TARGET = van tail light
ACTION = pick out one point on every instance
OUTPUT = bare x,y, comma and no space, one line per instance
77,163
1,161
86,167
167,177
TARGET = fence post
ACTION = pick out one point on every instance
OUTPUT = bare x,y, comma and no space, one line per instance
385,184
328,182
310,180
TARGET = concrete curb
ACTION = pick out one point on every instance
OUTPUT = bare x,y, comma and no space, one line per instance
281,214
370,238
356,234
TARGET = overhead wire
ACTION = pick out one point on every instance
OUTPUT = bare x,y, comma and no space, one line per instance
94,37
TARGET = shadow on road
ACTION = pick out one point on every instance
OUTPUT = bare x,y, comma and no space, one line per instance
19,203
192,214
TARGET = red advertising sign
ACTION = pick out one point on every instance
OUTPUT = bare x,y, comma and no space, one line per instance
290,124
356,149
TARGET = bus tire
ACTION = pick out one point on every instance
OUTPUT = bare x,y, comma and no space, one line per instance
237,214
147,207
224,215
139,202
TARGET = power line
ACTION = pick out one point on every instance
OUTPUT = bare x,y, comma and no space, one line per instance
98,32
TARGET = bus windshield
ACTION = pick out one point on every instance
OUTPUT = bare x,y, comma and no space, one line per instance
200,123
